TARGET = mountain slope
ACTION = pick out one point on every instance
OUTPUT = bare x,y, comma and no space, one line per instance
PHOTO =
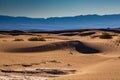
58,23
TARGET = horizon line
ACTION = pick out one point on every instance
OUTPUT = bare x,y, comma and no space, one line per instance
61,16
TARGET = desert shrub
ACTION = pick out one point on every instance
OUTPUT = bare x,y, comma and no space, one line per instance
36,39
105,36
18,39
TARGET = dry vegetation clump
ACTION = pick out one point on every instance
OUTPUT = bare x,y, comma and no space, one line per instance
36,39
105,36
18,39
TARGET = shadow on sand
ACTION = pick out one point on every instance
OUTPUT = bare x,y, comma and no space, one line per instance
76,45
87,34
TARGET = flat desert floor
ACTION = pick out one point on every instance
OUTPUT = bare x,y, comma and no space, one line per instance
63,56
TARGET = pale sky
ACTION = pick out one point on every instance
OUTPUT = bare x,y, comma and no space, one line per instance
58,8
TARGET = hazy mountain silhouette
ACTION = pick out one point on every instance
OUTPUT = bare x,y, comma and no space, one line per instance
59,23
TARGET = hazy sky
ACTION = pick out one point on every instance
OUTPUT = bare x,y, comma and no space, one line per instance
53,8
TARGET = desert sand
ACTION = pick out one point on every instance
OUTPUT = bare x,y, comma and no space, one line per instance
63,56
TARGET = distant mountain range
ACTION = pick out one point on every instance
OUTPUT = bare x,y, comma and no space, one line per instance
60,23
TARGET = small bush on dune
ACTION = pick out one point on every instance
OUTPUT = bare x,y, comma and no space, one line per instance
36,39
18,39
105,36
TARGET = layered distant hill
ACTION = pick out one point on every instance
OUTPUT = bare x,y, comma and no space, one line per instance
59,23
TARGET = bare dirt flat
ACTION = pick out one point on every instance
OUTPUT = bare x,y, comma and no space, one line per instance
63,56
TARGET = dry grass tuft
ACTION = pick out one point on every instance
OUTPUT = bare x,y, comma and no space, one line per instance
105,36
18,39
36,39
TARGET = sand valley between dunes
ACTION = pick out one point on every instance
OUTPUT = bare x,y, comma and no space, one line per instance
62,56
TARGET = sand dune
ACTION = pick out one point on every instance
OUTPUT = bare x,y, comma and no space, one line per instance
91,58
73,45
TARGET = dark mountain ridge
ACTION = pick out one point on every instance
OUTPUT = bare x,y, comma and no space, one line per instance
60,23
